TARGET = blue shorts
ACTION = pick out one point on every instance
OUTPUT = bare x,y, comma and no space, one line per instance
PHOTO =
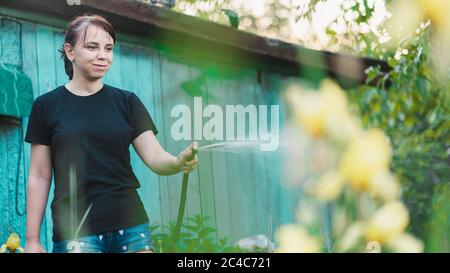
127,240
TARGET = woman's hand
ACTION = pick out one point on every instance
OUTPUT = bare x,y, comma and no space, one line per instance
187,160
34,247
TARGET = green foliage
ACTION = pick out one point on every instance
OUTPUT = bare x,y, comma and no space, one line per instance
439,225
194,237
412,107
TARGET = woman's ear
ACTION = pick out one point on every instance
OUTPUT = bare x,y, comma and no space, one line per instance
68,49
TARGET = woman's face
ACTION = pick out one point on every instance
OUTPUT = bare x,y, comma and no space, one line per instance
93,56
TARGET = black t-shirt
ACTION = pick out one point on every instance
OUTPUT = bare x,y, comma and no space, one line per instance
89,137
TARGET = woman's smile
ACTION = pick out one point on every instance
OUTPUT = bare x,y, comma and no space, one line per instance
100,66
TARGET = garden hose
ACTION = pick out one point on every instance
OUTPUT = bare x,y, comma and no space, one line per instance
183,199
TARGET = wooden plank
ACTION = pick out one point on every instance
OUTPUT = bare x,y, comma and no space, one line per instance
129,70
4,183
157,113
204,170
193,199
269,95
29,55
45,53
9,53
218,94
273,160
261,186
172,76
10,41
16,181
30,68
149,179
244,213
284,199
58,39
114,75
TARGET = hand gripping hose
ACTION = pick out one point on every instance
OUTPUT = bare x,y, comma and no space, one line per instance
183,199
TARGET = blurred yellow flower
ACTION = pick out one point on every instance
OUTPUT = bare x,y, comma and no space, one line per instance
295,239
406,243
363,164
339,123
384,186
333,95
309,110
351,237
323,113
364,158
437,11
408,14
329,186
12,244
387,222
343,127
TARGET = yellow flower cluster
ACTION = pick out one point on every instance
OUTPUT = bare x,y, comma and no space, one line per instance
323,113
295,239
367,155
363,166
12,244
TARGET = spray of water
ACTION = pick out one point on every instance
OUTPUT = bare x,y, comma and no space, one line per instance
233,146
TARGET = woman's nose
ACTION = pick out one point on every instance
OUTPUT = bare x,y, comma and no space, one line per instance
101,55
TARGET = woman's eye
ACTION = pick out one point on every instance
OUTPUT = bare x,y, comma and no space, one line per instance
91,47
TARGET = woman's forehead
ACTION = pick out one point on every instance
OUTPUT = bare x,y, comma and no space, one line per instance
95,34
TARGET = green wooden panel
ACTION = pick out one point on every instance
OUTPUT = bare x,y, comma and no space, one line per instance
146,76
5,208
193,199
284,199
10,41
218,94
61,77
12,181
204,170
269,95
114,75
242,167
172,76
261,183
128,66
46,53
157,112
30,68
29,55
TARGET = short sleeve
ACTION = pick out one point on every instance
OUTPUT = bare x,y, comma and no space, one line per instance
140,118
37,130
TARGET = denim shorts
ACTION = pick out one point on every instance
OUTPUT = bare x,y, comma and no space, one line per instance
127,240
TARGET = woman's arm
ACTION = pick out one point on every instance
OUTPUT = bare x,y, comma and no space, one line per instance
39,180
158,160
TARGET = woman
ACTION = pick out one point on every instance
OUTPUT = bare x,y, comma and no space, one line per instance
82,131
